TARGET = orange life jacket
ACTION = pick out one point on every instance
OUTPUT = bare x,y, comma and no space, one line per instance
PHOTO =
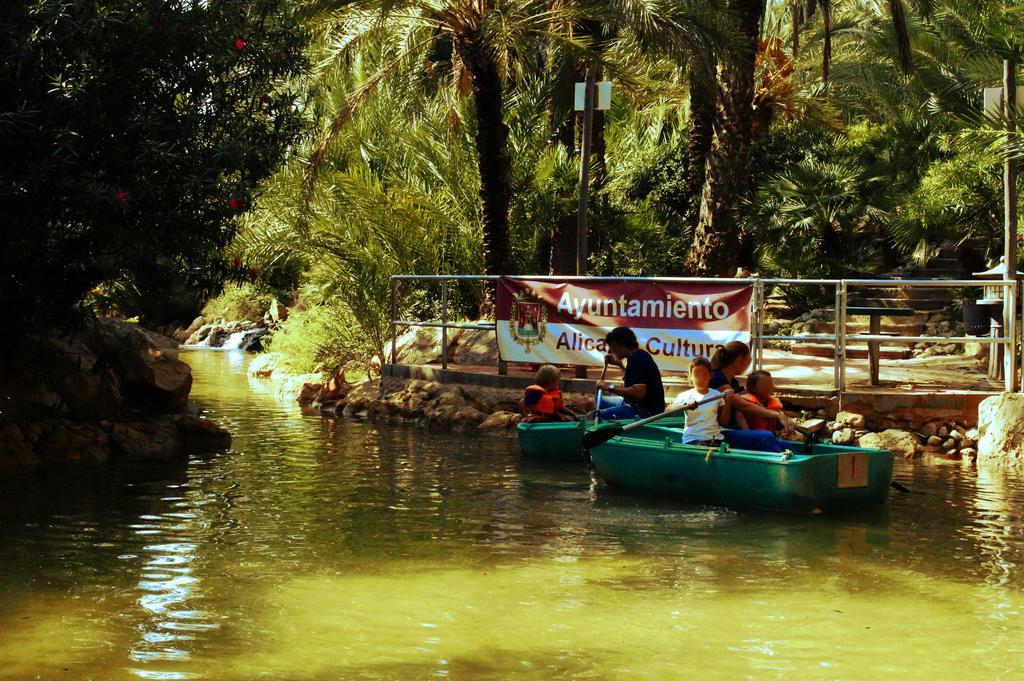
548,405
762,422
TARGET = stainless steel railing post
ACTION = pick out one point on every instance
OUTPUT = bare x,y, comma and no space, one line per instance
394,319
444,324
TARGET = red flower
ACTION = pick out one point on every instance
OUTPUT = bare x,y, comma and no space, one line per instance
254,273
237,262
235,204
121,195
239,44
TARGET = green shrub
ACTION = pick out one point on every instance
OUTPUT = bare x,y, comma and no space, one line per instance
321,339
238,302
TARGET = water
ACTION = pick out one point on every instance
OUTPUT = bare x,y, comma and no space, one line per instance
322,549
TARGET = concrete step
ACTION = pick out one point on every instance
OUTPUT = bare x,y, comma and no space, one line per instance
894,325
919,305
909,294
852,351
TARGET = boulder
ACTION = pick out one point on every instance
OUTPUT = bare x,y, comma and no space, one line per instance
278,312
849,419
15,449
147,364
66,442
473,347
309,392
844,436
500,420
201,436
183,335
336,388
264,365
969,453
146,440
1001,430
934,441
899,442
200,335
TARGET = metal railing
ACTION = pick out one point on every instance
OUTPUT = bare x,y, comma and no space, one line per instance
839,339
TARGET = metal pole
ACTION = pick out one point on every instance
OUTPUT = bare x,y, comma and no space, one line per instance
394,318
1010,224
581,210
444,324
759,325
841,294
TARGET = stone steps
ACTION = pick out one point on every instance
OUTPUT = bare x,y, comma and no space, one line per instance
852,351
896,326
920,305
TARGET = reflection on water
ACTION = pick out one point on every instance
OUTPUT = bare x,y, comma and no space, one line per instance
333,549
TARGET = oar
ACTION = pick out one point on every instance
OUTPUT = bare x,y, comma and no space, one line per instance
597,401
607,430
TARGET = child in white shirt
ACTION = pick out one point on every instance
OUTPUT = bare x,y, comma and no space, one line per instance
704,423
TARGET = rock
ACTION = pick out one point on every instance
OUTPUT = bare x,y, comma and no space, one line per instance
943,431
252,341
66,442
147,364
309,392
335,389
264,365
1001,430
201,436
849,419
500,420
843,436
899,442
948,443
971,434
934,441
147,440
969,453
930,429
15,449
953,454
956,435
185,334
278,312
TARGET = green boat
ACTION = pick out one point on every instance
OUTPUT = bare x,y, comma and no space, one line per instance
826,478
563,440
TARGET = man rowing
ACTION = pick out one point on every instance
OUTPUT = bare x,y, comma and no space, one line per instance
641,393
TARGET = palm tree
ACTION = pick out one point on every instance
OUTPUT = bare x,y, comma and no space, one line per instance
487,43
715,249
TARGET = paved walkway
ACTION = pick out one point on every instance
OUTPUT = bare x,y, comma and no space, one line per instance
929,375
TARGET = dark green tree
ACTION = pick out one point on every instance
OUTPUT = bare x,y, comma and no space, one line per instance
134,133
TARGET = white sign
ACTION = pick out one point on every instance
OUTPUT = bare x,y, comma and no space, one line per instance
994,100
603,90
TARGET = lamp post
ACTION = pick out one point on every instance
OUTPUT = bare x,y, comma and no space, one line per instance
589,96
1010,222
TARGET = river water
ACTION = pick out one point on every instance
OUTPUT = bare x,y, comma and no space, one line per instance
323,549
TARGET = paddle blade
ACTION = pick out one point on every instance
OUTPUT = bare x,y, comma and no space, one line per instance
601,433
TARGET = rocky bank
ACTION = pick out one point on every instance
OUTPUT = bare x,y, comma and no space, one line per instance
109,390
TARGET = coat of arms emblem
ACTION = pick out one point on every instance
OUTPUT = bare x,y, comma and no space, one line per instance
529,319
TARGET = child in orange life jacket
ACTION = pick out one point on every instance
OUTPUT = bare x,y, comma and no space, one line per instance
543,400
760,387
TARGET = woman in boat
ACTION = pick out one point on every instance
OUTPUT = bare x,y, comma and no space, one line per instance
641,393
729,362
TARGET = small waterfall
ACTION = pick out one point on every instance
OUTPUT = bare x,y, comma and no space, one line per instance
234,341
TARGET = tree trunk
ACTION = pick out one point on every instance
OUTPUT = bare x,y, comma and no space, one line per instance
492,152
702,118
716,240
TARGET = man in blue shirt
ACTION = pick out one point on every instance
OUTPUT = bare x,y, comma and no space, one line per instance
641,393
